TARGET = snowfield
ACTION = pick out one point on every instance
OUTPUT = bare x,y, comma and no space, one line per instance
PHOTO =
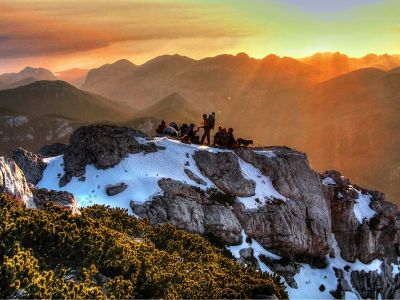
141,172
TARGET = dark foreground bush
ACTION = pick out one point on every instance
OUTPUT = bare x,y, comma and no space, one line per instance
105,253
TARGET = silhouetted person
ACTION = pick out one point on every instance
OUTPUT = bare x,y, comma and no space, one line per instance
217,137
207,130
161,127
231,142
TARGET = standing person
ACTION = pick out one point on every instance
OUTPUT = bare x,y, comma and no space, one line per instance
211,121
206,130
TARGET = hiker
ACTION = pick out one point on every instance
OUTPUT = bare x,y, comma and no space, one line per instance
206,130
189,136
231,142
211,121
217,137
161,127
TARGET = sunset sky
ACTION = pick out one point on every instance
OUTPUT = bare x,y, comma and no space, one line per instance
75,33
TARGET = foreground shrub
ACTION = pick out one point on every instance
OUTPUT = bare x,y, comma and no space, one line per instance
105,253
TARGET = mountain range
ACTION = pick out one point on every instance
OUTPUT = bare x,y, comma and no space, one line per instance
342,111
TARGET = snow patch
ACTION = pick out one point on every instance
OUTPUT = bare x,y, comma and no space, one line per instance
258,250
265,191
267,153
362,209
328,181
15,121
141,172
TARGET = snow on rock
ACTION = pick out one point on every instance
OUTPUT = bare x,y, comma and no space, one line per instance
328,181
267,153
265,191
15,121
141,173
362,209
309,280
258,250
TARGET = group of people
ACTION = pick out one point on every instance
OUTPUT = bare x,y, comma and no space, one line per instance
188,133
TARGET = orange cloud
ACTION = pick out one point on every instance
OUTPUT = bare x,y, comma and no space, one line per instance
47,28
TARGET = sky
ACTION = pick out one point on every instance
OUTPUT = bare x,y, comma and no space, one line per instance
63,34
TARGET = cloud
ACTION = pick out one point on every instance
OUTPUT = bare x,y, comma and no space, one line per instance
51,28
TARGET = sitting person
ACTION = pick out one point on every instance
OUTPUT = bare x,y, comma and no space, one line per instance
223,139
161,127
174,125
217,136
169,130
183,129
231,142
189,136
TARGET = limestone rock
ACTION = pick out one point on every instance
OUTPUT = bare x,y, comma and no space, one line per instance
13,183
378,238
193,177
113,190
301,225
224,171
188,208
102,145
31,164
61,198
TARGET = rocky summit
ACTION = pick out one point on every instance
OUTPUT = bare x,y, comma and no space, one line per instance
326,237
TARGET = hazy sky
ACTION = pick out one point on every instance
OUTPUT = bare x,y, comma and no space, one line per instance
75,33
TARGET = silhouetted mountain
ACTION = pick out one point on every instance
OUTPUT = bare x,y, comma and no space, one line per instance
74,76
58,97
103,79
205,82
25,76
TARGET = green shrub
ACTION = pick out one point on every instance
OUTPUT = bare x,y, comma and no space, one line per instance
105,253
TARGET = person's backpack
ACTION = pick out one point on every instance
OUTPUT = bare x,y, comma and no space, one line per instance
211,121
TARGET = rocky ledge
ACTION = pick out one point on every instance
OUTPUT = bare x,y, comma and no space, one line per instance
308,220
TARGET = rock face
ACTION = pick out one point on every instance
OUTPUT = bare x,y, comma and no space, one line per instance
13,183
224,171
61,198
301,225
102,145
31,164
188,208
374,239
113,190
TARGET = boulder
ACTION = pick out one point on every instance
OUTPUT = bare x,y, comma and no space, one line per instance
31,164
187,207
13,183
224,171
102,145
60,198
113,190
52,150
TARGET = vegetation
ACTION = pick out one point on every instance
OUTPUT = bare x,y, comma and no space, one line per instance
105,253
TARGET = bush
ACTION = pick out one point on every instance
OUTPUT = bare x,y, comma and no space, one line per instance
105,253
